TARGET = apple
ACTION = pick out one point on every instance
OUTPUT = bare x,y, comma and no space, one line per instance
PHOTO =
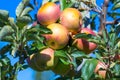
32,63
42,60
84,45
48,13
101,69
59,37
71,18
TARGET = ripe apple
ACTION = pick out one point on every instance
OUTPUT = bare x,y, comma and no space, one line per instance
32,63
61,68
71,18
48,13
59,37
43,60
84,45
101,69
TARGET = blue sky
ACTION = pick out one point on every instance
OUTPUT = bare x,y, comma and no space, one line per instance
11,5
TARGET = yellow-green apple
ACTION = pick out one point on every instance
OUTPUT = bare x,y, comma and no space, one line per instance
84,45
48,13
59,37
71,18
42,60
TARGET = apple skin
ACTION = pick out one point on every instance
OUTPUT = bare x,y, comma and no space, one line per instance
87,31
59,37
83,44
43,60
101,73
48,13
71,18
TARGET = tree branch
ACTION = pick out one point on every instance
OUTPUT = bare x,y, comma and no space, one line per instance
113,22
103,18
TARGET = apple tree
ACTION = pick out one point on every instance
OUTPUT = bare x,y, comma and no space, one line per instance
76,39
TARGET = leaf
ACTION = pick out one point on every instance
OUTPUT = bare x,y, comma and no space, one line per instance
21,7
64,4
60,53
4,15
40,29
53,0
114,1
24,67
26,11
116,5
6,30
24,20
84,35
5,61
114,14
44,1
117,30
92,23
88,69
64,61
78,54
105,36
117,69
5,49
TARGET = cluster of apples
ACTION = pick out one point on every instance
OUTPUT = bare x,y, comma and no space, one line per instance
63,24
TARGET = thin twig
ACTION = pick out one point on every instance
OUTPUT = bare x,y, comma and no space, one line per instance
113,22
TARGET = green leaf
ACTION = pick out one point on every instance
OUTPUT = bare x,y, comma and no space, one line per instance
93,16
40,29
5,49
88,68
117,69
114,1
53,0
21,7
5,61
4,15
114,14
84,35
116,5
24,67
5,31
26,11
117,30
44,1
24,20
64,61
60,53
78,54
113,38
64,4
98,56
105,36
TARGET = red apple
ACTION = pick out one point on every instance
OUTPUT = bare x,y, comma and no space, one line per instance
83,44
59,37
48,13
71,18
101,69
43,60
